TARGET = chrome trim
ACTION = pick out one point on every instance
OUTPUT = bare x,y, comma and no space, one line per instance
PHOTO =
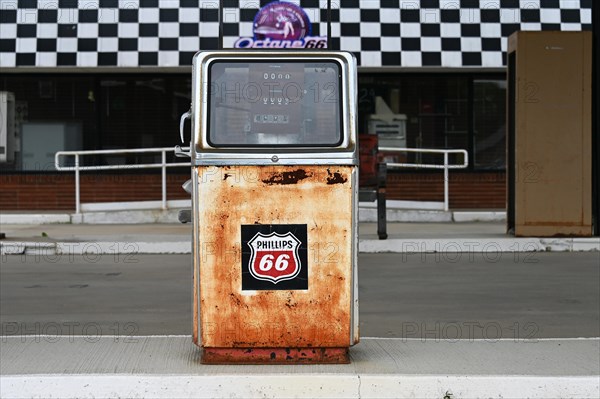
205,154
335,158
196,251
354,310
182,152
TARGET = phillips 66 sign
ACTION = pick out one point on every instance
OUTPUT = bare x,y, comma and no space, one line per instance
274,258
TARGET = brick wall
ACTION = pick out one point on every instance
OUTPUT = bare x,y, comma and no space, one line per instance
480,190
57,191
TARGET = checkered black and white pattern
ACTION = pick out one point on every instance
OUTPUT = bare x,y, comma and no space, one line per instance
166,33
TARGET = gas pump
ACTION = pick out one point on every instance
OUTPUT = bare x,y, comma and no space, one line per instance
274,189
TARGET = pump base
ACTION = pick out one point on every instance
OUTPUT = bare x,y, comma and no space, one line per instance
275,355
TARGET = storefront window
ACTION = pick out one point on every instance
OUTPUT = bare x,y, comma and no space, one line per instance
436,111
114,111
84,112
489,120
52,113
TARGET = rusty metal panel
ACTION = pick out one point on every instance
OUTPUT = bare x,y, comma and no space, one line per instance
319,197
276,355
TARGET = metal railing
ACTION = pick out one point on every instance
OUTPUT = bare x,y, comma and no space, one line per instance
446,166
163,165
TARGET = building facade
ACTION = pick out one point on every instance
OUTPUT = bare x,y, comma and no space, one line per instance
111,74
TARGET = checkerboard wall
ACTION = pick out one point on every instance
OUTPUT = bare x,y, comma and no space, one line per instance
166,33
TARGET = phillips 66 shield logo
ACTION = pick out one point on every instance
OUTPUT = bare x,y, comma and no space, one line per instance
274,257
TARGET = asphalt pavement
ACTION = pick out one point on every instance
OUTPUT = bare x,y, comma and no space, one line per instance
433,296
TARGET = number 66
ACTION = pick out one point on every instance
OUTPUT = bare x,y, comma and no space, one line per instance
266,262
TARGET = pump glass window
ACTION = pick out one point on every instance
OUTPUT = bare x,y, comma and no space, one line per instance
274,104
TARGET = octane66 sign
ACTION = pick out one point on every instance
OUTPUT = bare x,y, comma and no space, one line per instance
274,257
280,24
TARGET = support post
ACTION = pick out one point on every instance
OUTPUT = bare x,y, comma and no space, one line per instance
595,118
381,206
446,183
163,168
77,186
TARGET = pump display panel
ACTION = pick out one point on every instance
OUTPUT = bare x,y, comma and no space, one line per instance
274,104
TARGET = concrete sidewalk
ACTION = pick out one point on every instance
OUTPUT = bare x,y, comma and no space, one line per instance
169,367
161,238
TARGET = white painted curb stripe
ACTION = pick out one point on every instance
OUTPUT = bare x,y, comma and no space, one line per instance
297,386
37,218
124,248
150,212
474,245
469,339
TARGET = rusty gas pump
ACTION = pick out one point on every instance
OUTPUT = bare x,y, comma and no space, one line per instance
274,206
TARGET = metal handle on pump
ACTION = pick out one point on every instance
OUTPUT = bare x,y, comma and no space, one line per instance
183,151
185,116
